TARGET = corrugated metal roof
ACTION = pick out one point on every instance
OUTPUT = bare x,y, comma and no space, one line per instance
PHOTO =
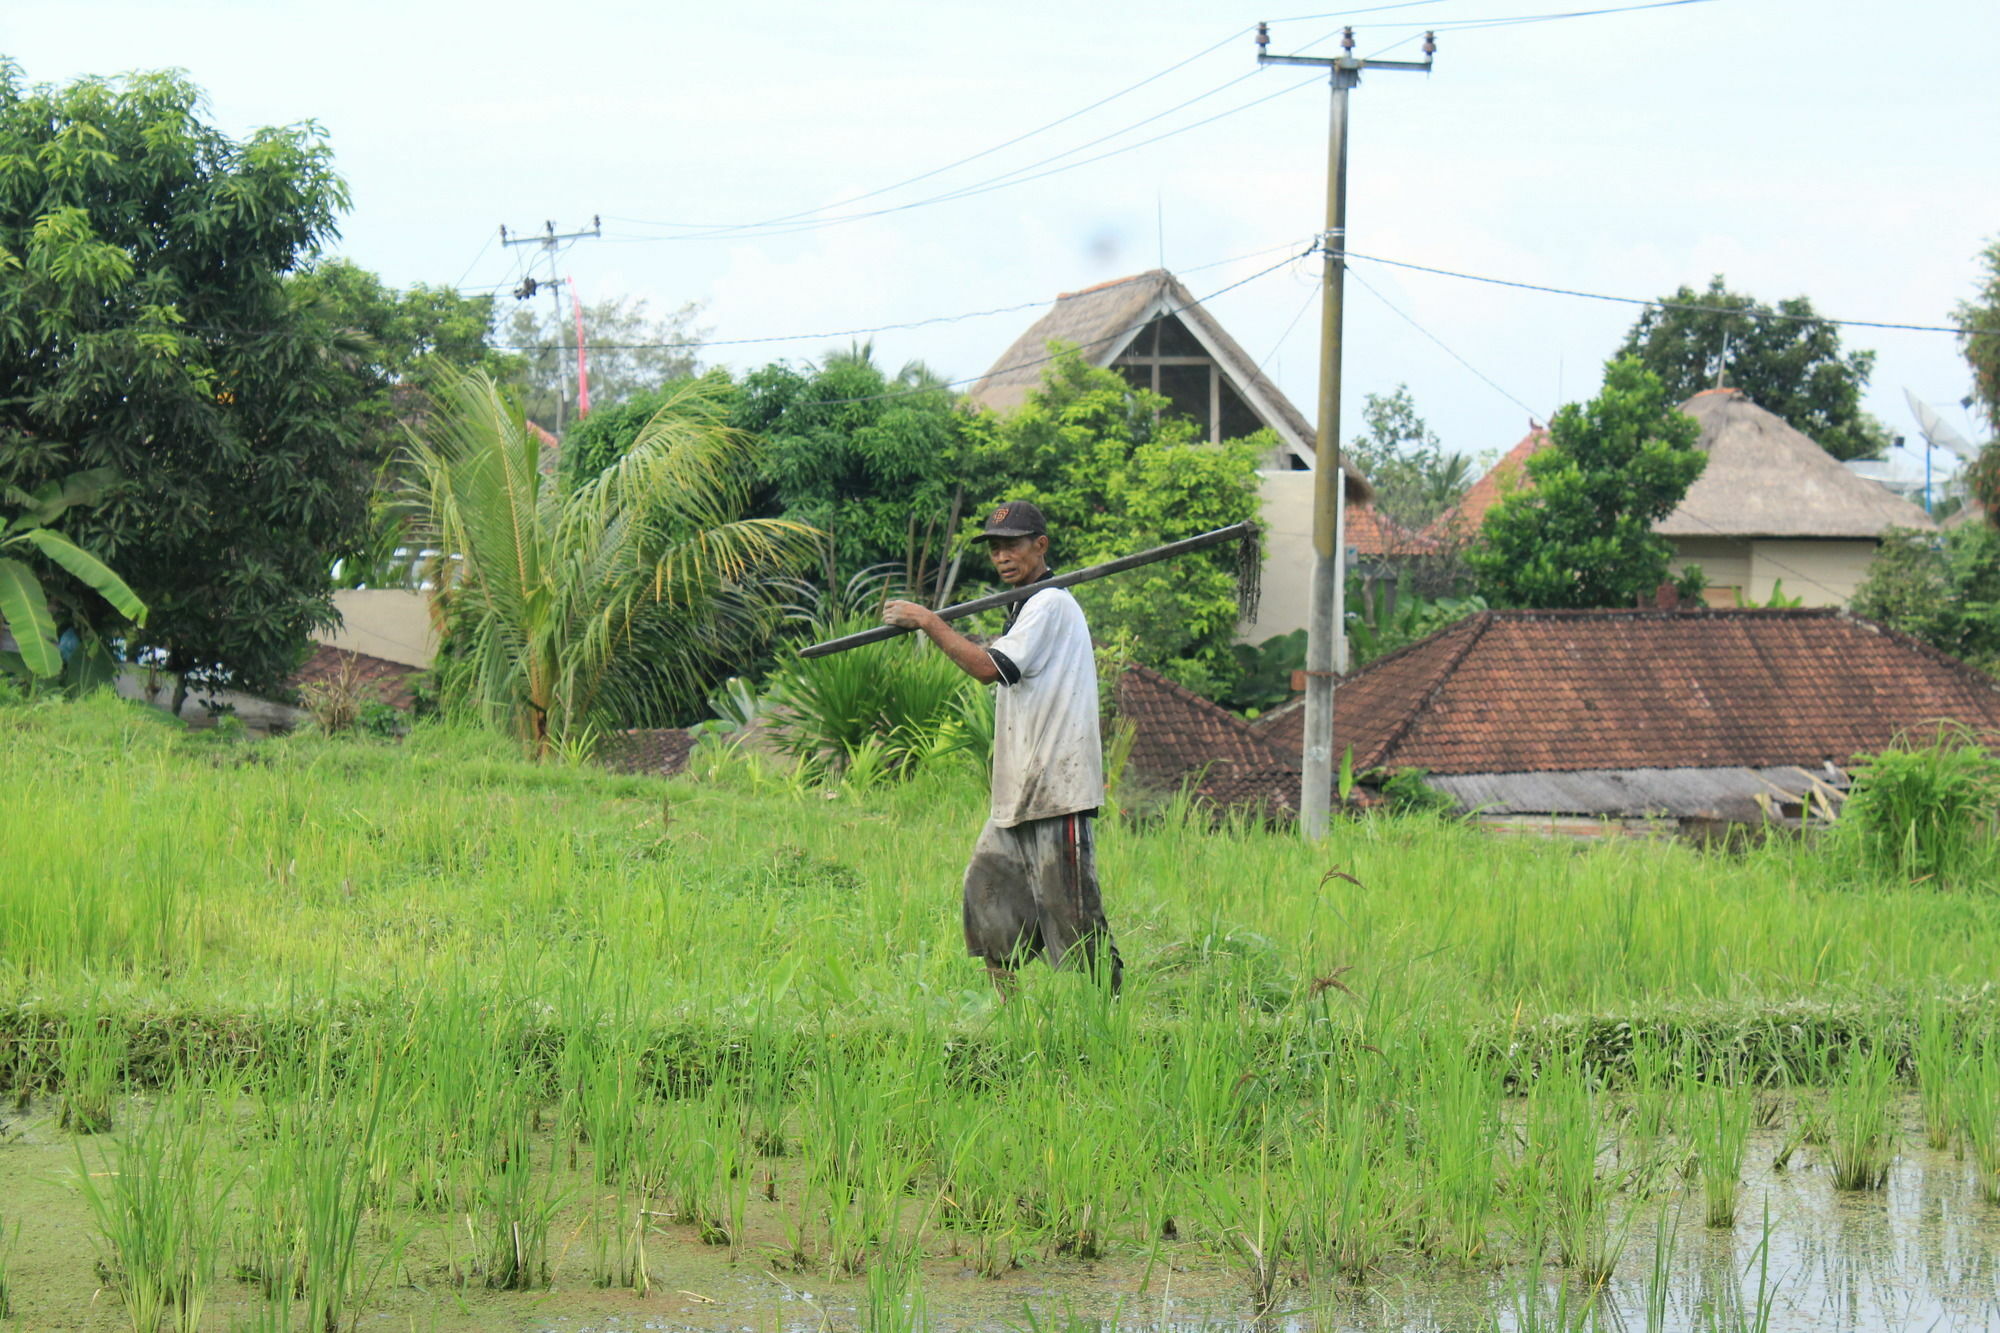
1682,793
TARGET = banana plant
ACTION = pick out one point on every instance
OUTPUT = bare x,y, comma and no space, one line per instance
23,604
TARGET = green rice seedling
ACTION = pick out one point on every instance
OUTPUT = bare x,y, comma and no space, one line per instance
1978,1113
519,1203
895,1299
1939,1062
1860,1145
90,1053
1660,1275
10,1241
1460,1109
1255,1220
1571,1308
1566,1150
159,1206
1727,1108
1346,1184
1725,1311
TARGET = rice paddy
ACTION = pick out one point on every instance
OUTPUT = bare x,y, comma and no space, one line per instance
323,1034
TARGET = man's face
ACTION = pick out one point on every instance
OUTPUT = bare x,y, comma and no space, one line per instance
1019,560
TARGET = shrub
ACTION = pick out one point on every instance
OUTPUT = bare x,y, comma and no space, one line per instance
1925,813
890,707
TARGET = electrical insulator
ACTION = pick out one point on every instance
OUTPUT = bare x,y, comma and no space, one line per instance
1430,44
1263,37
1347,39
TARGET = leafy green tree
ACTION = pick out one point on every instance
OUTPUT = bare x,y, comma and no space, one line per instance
1581,534
620,600
24,606
146,325
1117,471
1415,480
629,349
1979,336
873,460
1979,332
402,342
1941,588
1785,358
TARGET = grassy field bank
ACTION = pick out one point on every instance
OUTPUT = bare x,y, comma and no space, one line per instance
369,994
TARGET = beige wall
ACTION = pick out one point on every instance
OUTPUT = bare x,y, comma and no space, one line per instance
1824,573
1285,600
384,622
1821,573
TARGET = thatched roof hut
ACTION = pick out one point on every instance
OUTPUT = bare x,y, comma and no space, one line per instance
1151,329
1766,479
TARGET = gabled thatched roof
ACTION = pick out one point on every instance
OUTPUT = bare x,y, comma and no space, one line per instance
1766,479
1103,321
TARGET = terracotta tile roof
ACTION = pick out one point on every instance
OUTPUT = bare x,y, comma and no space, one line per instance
647,750
1555,691
1370,532
1503,478
376,677
1178,735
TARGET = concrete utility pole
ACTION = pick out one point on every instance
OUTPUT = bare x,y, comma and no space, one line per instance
1323,630
548,240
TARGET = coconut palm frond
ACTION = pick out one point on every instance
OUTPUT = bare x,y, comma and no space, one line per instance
609,603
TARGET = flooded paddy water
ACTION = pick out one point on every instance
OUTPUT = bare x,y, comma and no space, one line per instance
1922,1252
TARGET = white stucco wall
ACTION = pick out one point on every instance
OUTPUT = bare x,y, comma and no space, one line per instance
1285,600
388,623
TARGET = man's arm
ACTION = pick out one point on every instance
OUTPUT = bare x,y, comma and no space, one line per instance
970,658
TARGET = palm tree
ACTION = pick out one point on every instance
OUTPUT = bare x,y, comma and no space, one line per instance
577,606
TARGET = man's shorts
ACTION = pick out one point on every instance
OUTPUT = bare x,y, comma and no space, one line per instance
1032,889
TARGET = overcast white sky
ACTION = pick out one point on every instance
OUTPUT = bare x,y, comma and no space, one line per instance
1839,150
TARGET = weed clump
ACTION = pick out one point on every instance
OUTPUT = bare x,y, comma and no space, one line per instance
1926,814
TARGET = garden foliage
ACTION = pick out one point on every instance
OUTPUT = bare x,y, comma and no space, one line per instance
147,325
1582,534
1943,588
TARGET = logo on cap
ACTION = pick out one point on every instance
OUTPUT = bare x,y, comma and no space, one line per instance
997,515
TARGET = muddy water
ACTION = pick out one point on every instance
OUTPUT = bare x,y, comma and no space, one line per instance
1921,1254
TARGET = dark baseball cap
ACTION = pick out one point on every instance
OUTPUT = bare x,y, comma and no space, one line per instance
1016,518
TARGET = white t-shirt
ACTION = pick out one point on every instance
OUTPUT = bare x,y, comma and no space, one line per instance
1047,756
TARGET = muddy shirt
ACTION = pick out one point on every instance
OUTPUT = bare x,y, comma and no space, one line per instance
1047,759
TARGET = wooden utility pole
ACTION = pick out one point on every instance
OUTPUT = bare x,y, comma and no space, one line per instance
1323,629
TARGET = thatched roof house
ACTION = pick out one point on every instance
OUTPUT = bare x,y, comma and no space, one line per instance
1770,508
1643,715
1151,329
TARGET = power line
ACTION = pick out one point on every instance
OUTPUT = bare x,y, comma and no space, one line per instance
475,261
705,228
1053,356
881,328
1411,320
1746,312
952,166
1006,179
1017,176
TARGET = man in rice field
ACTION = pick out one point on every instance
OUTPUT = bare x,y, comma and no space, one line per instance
1032,885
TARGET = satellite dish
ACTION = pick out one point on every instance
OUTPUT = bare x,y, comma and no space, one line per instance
1936,429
